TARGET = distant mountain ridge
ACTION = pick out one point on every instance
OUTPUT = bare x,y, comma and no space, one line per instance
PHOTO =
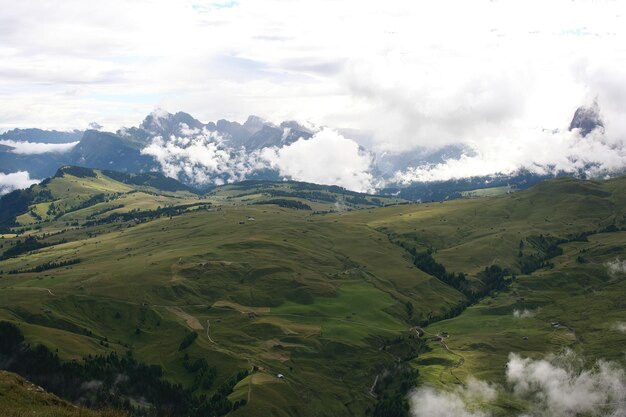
255,133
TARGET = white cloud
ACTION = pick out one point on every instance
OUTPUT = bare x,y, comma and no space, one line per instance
428,402
34,148
464,401
15,180
204,157
325,158
542,152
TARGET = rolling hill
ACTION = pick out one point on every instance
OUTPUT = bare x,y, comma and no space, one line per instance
294,299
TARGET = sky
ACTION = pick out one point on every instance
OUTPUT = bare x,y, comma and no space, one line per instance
502,77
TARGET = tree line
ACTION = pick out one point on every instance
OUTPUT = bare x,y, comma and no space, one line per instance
46,266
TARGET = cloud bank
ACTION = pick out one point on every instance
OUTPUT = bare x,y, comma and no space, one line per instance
204,157
35,148
15,180
540,152
557,386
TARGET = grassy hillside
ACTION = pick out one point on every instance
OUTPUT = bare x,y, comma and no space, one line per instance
326,296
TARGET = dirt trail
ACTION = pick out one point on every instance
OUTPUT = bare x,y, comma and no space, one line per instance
241,308
456,365
461,358
441,340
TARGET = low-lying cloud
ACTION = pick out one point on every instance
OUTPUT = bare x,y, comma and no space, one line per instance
326,158
538,151
464,401
15,180
35,148
557,386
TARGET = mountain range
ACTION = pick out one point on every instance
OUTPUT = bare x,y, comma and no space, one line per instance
169,143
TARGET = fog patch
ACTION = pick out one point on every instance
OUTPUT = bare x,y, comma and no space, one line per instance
36,148
15,180
523,314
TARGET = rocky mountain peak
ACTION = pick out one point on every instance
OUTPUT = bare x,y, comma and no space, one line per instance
587,119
